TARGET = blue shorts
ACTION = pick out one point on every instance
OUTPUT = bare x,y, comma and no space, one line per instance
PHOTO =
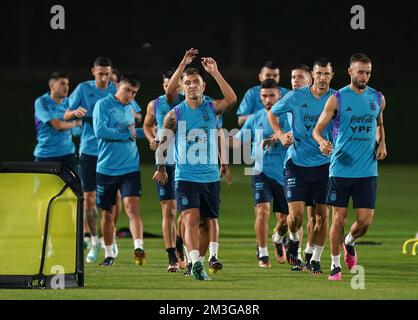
308,184
88,165
69,160
166,191
204,196
265,189
361,190
107,188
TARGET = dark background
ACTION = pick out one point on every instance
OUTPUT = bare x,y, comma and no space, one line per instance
240,36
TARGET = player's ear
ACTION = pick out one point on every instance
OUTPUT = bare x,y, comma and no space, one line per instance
260,77
92,71
203,86
350,71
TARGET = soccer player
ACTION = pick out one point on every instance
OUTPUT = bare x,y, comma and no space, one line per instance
251,101
306,167
208,228
84,97
53,132
156,110
357,110
301,77
118,164
267,179
196,172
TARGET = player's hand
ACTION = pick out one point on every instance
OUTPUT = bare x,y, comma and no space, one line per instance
80,112
189,56
78,123
153,145
210,65
225,172
160,176
381,152
286,139
325,147
267,143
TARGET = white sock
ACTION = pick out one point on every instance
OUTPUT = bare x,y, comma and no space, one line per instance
349,240
213,249
109,252
293,236
95,241
300,253
139,244
263,252
187,255
335,261
309,249
317,253
277,237
194,256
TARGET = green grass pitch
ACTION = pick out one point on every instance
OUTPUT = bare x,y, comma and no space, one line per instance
388,273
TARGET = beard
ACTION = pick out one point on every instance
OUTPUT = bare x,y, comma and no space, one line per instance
359,85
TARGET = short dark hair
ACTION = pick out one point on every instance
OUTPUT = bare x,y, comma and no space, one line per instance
270,65
303,67
102,62
322,62
269,84
131,78
167,74
191,71
359,57
117,73
57,75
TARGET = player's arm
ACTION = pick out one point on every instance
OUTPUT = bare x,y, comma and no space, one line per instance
171,92
64,125
286,138
44,114
75,114
223,158
229,98
167,136
381,151
75,110
148,126
331,107
103,131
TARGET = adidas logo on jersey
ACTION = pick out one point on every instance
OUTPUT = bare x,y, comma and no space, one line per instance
304,106
348,109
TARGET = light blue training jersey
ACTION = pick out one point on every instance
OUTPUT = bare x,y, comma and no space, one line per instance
118,152
51,142
196,144
271,160
354,133
304,109
252,101
85,95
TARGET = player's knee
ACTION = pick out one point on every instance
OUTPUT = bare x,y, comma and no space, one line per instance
89,201
339,221
263,211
